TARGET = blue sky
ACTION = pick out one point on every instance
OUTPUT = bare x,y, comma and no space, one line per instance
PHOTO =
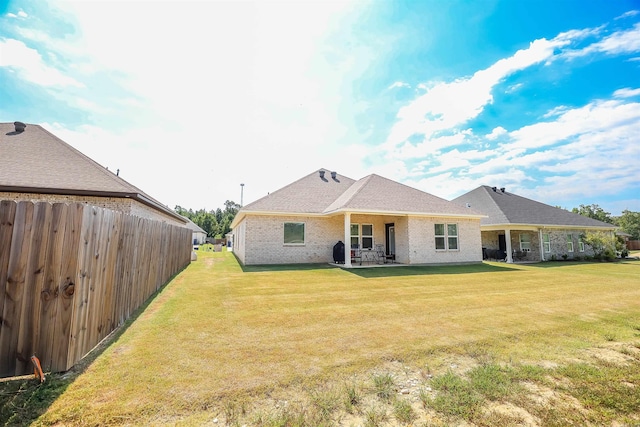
190,99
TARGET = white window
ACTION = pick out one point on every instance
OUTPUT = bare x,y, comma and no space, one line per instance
294,233
446,237
546,242
367,236
569,243
525,242
362,236
355,235
580,245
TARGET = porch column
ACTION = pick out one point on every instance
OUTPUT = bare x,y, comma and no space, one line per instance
541,244
507,237
347,239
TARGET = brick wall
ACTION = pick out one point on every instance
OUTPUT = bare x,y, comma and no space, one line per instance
259,239
119,204
557,239
422,241
264,240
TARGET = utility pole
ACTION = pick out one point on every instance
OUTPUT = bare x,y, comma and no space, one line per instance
241,194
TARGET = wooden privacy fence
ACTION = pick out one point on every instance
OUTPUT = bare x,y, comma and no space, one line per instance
71,273
633,245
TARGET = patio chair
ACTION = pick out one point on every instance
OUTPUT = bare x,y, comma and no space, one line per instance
356,254
381,257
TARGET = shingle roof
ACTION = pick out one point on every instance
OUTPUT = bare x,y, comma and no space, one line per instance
193,226
504,208
36,161
378,194
375,194
310,194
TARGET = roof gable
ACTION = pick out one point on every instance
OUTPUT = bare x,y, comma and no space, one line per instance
36,158
378,194
36,161
314,194
311,194
503,208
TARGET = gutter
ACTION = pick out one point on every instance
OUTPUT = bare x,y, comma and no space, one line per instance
71,192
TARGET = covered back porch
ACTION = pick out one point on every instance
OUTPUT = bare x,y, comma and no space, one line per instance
512,244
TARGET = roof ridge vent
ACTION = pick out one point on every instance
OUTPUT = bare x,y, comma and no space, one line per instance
502,189
321,174
494,189
20,127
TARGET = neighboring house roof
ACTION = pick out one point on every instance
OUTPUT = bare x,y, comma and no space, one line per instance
504,208
36,161
324,195
193,226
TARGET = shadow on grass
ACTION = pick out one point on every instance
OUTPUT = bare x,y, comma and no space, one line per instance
284,267
568,263
384,271
22,401
425,270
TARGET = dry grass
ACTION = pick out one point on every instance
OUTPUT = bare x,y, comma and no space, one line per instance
279,346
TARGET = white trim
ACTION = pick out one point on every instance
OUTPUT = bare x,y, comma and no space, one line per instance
304,233
446,237
535,227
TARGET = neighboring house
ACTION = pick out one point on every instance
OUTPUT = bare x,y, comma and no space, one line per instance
36,165
528,229
199,235
302,222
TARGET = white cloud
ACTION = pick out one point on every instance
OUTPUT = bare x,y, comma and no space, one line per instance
399,84
627,14
598,116
251,96
21,14
496,133
448,105
28,63
626,92
619,42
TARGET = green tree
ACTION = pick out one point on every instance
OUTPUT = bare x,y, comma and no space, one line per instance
595,212
629,222
217,222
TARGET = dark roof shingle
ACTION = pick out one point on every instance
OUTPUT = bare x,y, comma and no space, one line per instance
503,208
314,194
36,161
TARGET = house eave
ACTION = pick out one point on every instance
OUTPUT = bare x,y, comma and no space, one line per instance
92,193
536,227
404,213
242,214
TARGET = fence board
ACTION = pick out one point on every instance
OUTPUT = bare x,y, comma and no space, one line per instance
50,293
67,287
33,285
14,288
71,273
7,215
633,245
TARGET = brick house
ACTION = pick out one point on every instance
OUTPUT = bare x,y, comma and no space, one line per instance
524,229
301,223
38,166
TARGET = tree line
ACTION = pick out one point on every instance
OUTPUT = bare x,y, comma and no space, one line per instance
629,221
216,223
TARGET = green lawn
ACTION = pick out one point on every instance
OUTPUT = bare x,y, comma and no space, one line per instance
554,343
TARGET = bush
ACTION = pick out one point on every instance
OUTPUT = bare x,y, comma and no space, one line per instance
602,243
